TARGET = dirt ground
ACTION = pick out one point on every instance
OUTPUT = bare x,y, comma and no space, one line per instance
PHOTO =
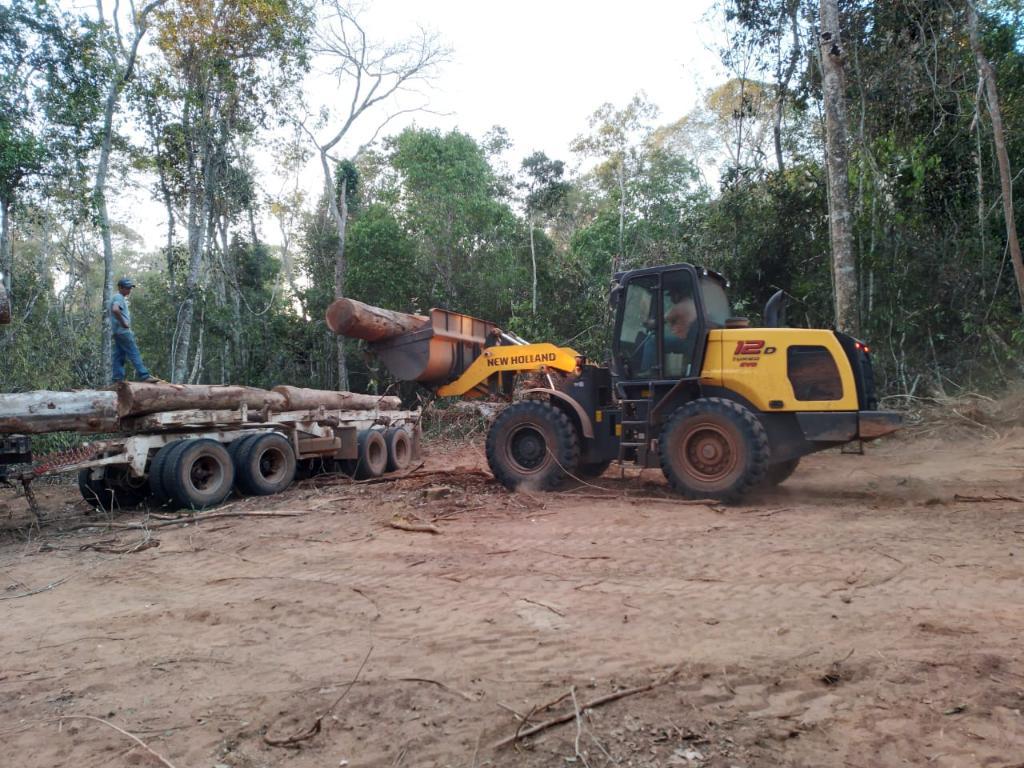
870,612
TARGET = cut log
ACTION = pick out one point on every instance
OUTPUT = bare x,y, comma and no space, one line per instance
348,317
34,413
297,398
137,399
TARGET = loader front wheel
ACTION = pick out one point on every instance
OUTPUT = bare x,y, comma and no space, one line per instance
714,448
778,473
533,445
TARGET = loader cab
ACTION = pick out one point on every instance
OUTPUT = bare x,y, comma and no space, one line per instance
662,316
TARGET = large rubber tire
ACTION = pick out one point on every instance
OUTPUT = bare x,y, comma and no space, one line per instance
533,445
94,491
199,475
776,474
593,469
373,455
235,448
157,467
713,448
129,491
265,465
399,443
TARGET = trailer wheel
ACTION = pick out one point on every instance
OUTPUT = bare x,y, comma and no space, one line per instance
236,447
199,474
129,491
715,448
94,490
373,455
778,473
157,467
533,444
399,445
266,465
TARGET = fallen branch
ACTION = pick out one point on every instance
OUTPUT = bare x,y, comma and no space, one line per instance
188,519
146,542
598,702
985,499
317,725
416,527
439,684
122,731
47,588
543,605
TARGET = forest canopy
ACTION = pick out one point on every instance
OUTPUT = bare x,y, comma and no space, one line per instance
183,97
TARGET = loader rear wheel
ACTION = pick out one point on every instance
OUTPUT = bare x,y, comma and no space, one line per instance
265,466
533,445
593,469
714,448
199,474
778,473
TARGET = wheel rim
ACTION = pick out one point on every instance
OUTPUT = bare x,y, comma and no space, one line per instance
709,453
376,453
527,448
272,465
401,450
206,474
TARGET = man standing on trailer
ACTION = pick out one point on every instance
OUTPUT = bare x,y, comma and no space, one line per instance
125,347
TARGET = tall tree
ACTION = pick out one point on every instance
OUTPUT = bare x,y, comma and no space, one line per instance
987,78
614,135
844,268
544,190
227,61
122,69
370,74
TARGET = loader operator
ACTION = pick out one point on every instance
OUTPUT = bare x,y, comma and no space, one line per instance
680,328
125,347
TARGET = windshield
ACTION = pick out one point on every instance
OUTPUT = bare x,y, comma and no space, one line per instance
716,302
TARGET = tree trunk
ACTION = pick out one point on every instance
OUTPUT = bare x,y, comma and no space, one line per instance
782,84
622,215
351,318
533,258
339,213
986,73
6,255
39,412
297,399
844,269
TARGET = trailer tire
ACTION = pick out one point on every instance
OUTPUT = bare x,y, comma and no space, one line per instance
128,491
534,444
399,443
236,447
157,466
265,465
94,491
373,455
199,474
712,447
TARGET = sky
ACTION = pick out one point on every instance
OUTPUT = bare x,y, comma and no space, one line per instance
537,68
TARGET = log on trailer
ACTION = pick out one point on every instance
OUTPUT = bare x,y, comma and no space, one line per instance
348,317
33,413
297,399
137,399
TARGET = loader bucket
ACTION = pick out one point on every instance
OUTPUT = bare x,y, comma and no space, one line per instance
440,351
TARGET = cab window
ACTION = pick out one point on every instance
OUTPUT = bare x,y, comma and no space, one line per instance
636,335
681,326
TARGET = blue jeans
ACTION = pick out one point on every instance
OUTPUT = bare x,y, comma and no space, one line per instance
125,348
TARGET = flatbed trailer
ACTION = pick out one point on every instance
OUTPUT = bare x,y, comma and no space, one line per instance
194,459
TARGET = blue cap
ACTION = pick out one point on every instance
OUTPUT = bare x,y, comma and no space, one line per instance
125,282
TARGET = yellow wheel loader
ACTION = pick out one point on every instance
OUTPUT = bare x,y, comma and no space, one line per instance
720,406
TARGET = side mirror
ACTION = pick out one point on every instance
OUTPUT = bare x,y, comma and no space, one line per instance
613,297
775,310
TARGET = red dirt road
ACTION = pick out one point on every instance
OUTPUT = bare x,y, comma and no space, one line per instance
861,615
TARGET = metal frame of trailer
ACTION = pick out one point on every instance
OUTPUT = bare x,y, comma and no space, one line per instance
321,433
